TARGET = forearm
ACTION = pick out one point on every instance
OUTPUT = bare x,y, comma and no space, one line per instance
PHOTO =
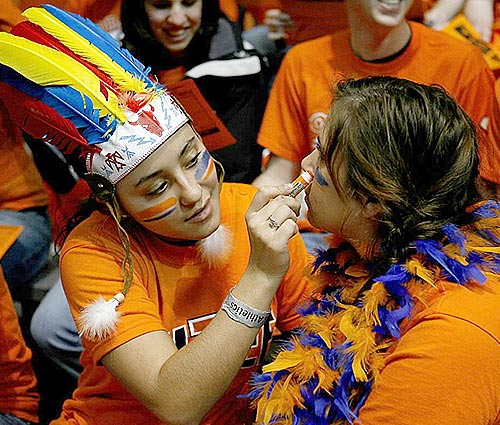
278,171
199,374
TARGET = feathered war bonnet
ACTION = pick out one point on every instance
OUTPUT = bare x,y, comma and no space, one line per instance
66,81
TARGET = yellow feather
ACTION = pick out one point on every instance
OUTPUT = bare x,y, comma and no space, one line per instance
84,49
416,268
493,249
48,67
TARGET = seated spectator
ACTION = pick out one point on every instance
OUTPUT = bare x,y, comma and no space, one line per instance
405,326
23,202
180,40
288,22
380,41
18,394
199,296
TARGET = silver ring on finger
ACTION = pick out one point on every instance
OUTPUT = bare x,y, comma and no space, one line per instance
273,224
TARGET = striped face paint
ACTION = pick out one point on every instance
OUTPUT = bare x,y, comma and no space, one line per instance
159,211
205,167
320,179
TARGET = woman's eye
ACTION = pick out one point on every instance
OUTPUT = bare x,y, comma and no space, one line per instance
193,161
158,190
160,5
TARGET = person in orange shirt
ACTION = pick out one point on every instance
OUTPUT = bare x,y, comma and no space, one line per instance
405,328
23,202
283,23
19,398
380,42
176,281
194,40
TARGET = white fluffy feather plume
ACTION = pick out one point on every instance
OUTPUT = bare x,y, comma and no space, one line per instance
215,248
98,320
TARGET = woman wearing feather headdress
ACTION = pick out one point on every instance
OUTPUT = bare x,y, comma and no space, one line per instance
174,309
195,40
405,325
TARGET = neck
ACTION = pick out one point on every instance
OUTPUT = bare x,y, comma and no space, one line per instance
376,42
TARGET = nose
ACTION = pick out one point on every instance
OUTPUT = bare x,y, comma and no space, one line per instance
176,15
190,192
310,162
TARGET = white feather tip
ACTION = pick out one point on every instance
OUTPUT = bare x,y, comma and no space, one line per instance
98,320
215,248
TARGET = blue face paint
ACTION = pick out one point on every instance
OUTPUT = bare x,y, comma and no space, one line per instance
320,179
204,167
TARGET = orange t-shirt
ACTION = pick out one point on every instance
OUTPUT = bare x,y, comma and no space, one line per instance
444,370
18,394
301,94
92,9
21,186
173,290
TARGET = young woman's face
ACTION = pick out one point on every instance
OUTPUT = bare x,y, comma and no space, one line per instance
330,207
175,191
174,22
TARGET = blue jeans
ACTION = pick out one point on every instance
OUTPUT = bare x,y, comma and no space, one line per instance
28,254
54,331
9,419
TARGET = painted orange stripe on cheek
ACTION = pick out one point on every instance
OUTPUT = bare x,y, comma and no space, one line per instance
151,212
210,169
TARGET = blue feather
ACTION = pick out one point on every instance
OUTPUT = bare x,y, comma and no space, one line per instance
455,236
434,250
104,42
488,210
68,102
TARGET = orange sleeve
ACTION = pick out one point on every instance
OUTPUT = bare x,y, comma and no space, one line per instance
489,151
284,129
477,97
90,270
443,371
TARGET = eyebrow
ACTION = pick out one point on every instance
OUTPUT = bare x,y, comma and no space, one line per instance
156,173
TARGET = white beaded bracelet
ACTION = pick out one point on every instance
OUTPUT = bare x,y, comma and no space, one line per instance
243,313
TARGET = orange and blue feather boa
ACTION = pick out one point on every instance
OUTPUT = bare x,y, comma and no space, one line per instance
324,375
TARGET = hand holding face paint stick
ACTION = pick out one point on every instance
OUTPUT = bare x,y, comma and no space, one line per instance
301,182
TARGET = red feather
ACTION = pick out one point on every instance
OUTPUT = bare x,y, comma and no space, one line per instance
37,34
41,121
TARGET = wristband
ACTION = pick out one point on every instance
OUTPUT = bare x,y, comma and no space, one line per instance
243,313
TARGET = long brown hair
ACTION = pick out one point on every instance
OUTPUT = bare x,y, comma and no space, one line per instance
410,149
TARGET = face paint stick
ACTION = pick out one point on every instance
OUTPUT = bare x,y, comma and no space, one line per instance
301,182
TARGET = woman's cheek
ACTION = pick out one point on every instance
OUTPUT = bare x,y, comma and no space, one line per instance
205,167
158,211
320,178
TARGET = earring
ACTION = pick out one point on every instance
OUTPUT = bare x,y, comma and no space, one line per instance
219,168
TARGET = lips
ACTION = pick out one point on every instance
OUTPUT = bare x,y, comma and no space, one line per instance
200,214
176,35
391,3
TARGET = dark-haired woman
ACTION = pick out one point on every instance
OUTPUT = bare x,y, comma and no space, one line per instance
194,39
405,326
